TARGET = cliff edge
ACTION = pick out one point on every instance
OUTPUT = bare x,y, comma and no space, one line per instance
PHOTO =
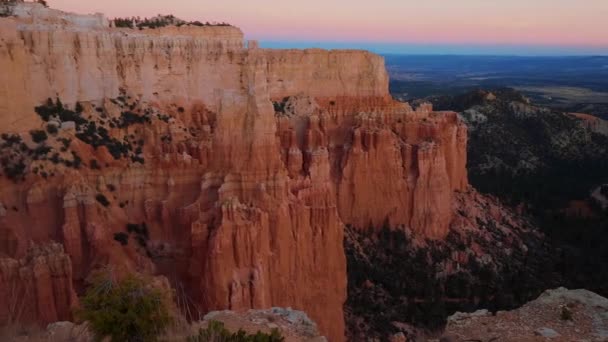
230,170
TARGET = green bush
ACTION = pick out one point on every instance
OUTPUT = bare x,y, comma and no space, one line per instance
38,136
216,332
127,310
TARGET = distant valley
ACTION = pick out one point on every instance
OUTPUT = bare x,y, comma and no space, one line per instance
573,84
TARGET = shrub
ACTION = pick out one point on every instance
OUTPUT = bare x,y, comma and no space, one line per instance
129,118
52,129
103,200
216,332
65,141
55,158
94,165
141,231
566,313
56,109
137,159
123,238
133,228
77,161
38,136
11,139
127,310
280,106
14,171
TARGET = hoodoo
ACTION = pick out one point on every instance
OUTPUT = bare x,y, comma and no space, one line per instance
232,171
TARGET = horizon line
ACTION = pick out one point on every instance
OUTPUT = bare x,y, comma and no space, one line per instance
452,49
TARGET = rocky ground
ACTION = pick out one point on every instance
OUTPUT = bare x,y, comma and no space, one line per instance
293,325
557,315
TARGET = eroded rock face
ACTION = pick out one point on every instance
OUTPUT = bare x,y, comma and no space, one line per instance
37,288
231,171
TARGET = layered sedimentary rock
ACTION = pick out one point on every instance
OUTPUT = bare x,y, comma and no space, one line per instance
38,287
230,170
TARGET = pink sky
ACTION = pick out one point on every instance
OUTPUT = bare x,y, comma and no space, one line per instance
542,22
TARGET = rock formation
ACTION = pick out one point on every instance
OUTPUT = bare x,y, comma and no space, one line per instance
557,315
38,287
292,325
230,170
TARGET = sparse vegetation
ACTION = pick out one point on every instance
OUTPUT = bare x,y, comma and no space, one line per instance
382,288
127,310
542,160
55,109
159,21
38,136
94,165
17,157
216,332
565,313
102,200
121,237
5,9
13,153
141,233
52,129
279,106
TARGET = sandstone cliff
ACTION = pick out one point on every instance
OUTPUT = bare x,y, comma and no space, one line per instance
230,170
38,287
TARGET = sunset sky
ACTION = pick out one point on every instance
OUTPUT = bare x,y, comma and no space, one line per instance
407,26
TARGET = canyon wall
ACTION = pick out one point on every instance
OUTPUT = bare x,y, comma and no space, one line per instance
230,170
38,287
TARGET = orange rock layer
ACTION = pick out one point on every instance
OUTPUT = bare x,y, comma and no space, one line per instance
38,287
245,189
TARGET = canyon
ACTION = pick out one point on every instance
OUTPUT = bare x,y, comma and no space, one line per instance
231,170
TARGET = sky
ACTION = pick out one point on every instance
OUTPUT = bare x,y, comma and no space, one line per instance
519,27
